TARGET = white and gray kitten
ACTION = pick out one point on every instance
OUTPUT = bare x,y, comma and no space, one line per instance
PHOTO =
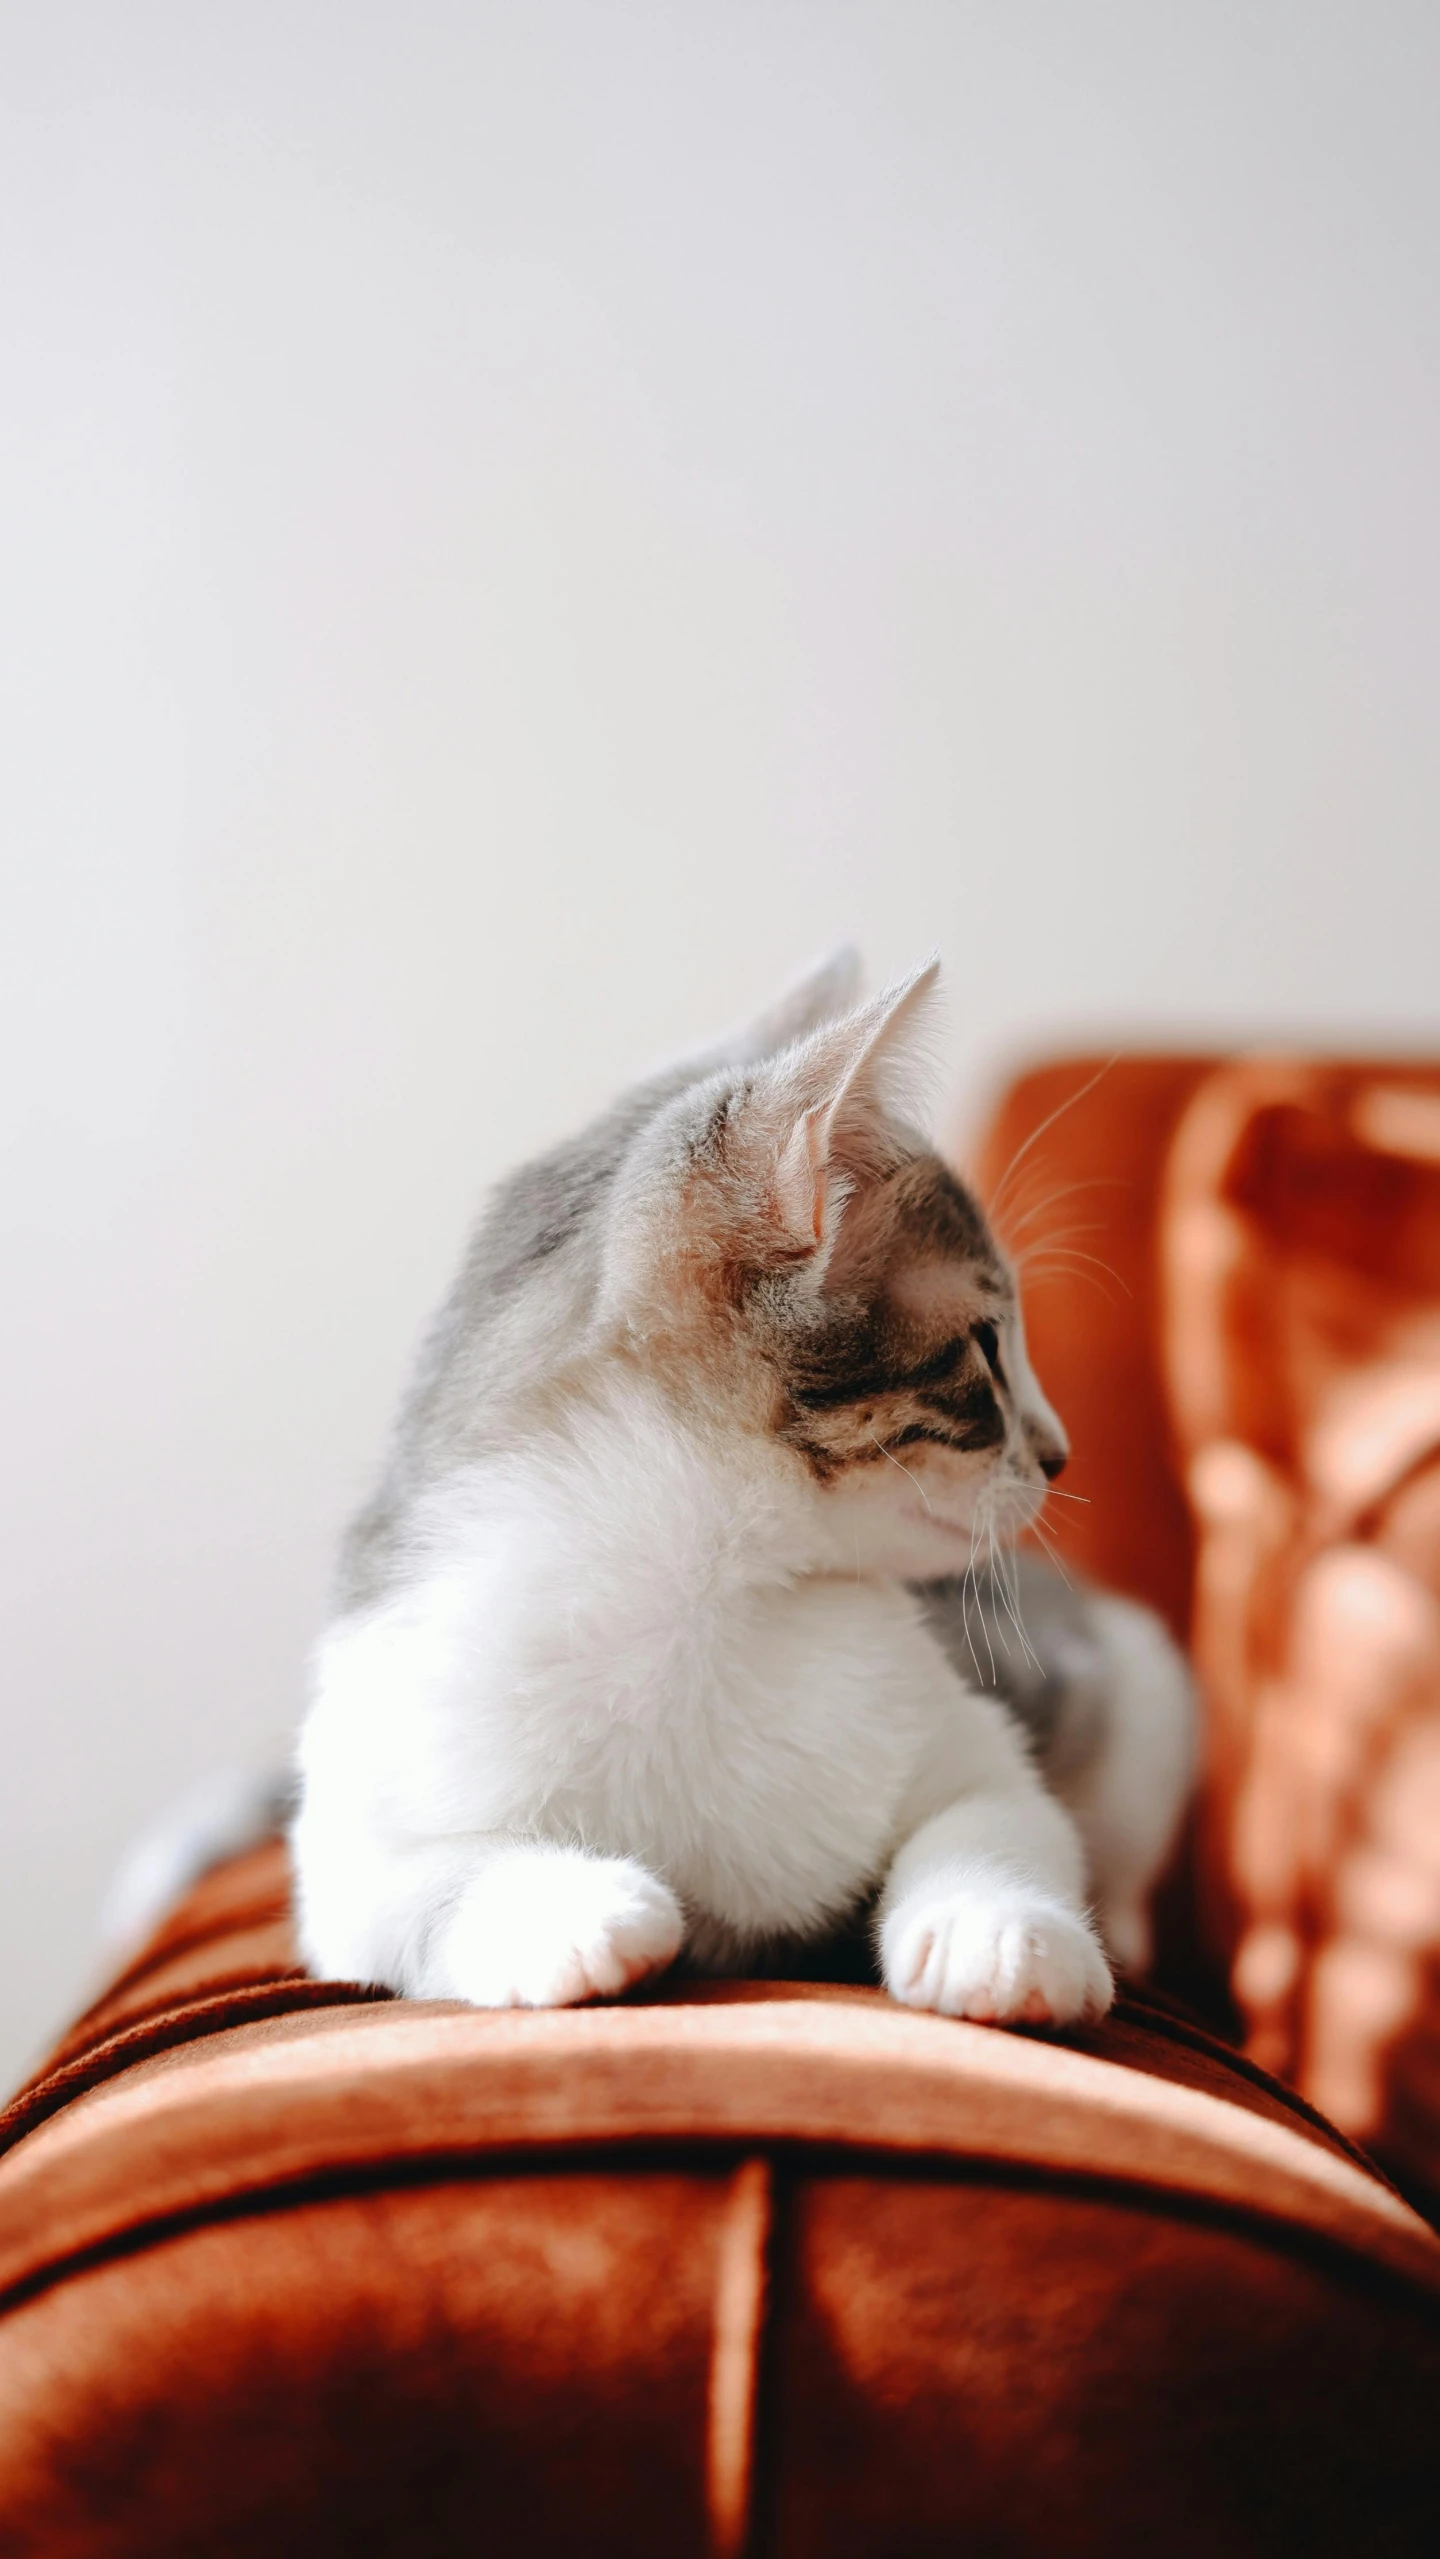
627,1657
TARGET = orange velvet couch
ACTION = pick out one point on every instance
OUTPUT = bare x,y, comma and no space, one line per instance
778,2267
1250,1369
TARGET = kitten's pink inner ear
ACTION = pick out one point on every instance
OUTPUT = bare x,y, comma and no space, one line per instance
802,1176
843,1063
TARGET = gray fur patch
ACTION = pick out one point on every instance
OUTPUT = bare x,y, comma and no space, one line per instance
531,1257
525,1290
1056,1689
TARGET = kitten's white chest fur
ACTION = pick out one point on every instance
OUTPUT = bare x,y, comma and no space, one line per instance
694,1697
766,1777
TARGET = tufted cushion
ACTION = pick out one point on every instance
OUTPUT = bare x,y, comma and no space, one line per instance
773,2267
1250,1365
1299,1227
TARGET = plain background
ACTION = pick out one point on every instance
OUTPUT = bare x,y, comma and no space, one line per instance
519,525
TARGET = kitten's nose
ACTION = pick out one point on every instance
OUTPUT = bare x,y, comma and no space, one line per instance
1053,1463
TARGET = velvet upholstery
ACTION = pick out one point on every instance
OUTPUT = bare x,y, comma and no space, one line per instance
749,2267
1250,1367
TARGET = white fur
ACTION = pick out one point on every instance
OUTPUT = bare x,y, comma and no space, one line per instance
631,1693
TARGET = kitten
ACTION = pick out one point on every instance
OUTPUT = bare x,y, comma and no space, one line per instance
626,1656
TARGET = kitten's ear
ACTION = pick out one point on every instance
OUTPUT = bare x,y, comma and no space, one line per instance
816,998
832,1125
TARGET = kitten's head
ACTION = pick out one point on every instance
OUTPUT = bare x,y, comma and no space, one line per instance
799,1265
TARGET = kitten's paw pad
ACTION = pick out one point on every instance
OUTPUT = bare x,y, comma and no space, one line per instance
537,1931
1013,1962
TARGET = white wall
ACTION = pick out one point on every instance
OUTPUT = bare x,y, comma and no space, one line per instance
521,523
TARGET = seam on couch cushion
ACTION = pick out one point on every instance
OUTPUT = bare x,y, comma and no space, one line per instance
784,2162
234,2003
323,2094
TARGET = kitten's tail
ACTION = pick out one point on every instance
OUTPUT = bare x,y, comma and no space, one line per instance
220,1818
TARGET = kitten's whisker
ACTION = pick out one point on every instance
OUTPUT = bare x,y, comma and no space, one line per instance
1010,1596
1021,1151
1053,1279
1062,1268
965,1589
1057,1235
1067,1190
905,1470
1050,1551
981,1507
1072,1253
1012,1572
997,1584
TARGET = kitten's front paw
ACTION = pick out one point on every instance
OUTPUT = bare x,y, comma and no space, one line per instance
545,1928
1003,1959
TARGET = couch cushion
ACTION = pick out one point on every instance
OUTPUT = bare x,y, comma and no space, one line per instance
731,2266
1299,1228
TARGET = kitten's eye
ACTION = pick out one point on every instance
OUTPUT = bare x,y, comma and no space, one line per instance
987,1341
